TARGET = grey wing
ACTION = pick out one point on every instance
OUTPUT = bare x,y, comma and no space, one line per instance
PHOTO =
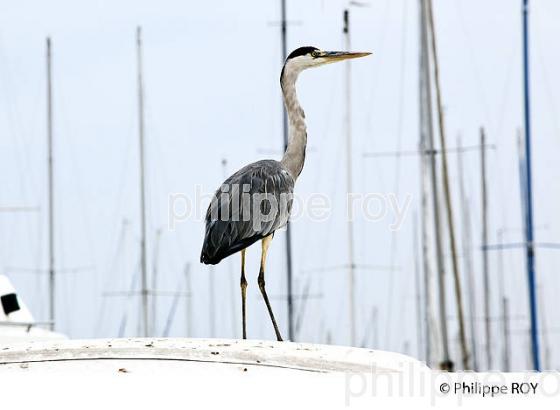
250,205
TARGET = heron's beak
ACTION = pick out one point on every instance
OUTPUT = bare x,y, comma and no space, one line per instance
334,56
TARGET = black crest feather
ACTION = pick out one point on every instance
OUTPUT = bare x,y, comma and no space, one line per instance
301,51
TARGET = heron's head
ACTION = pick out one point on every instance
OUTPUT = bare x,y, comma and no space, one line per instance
307,57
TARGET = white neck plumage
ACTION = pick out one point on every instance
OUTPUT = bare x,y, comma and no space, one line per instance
294,157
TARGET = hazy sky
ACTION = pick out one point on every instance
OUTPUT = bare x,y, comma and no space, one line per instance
212,92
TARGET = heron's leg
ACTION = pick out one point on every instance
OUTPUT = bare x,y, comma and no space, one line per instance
243,293
265,244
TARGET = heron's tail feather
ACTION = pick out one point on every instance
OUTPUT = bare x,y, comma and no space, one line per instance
213,251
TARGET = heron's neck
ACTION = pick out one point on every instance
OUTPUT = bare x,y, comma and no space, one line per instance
294,157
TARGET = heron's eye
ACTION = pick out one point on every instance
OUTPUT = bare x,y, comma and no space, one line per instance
315,54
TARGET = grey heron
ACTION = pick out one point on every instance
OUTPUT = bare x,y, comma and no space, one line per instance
256,201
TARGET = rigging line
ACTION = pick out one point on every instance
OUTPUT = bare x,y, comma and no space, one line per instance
397,180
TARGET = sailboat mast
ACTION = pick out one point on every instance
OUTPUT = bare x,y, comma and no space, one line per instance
52,278
447,195
529,245
289,278
424,183
446,361
143,260
351,265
